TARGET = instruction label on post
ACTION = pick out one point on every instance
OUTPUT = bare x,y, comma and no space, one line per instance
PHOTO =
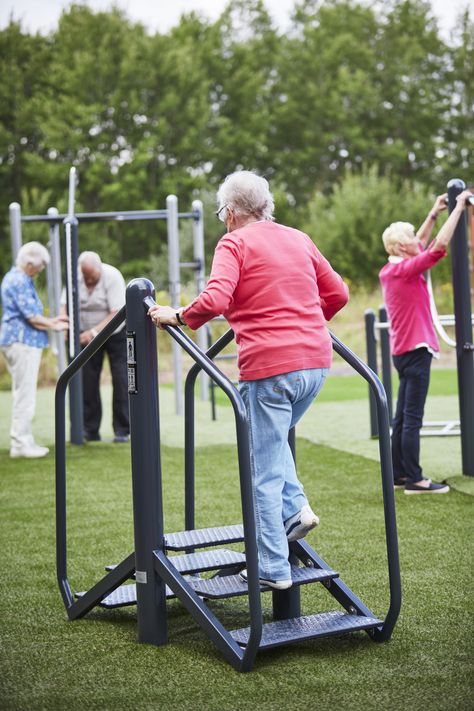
131,363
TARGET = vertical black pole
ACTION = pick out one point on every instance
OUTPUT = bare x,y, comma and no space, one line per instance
287,603
189,450
464,340
142,366
71,253
386,361
371,345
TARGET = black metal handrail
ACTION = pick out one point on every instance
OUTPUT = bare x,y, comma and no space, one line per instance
391,537
60,446
203,362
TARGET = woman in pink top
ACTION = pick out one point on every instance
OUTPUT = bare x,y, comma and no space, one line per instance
412,336
277,291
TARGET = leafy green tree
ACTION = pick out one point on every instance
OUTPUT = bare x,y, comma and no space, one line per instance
24,82
142,116
242,72
348,224
455,151
415,92
324,95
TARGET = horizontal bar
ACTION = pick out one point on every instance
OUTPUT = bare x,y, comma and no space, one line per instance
446,320
124,216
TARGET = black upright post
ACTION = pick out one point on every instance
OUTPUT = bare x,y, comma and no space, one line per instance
371,345
386,361
142,366
71,253
464,340
287,603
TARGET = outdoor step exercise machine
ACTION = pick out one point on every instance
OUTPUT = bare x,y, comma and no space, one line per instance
70,247
377,331
158,575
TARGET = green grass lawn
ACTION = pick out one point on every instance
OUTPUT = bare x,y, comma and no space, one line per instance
95,663
353,387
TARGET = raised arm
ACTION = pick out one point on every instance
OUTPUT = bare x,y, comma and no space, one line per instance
444,236
424,232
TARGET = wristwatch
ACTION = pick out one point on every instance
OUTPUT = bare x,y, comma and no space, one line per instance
179,319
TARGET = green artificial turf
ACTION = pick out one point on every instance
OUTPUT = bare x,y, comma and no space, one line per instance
95,663
443,381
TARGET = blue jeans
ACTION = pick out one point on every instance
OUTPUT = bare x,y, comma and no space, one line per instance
274,405
414,372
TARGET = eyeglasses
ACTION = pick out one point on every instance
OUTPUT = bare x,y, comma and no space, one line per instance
218,213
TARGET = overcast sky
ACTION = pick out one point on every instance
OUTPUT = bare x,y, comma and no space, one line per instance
160,15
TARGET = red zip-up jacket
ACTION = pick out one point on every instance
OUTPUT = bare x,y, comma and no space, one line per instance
276,290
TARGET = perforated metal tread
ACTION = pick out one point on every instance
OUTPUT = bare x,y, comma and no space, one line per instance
204,560
216,587
233,585
204,537
297,629
207,560
123,596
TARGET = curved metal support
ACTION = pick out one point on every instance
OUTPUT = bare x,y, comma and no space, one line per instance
382,634
246,491
60,453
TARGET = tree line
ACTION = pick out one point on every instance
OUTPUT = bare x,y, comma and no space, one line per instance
357,115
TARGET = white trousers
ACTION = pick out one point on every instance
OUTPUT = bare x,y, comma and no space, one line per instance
23,364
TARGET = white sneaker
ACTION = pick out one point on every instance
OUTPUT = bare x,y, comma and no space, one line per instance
275,584
301,523
34,451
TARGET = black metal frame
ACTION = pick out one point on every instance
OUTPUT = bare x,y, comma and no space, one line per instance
391,538
463,329
153,569
239,658
78,608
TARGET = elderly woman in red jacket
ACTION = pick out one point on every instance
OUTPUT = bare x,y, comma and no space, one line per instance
276,290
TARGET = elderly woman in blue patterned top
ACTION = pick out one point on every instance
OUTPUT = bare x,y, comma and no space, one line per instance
23,335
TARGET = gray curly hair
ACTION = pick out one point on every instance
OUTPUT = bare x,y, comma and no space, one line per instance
247,194
33,253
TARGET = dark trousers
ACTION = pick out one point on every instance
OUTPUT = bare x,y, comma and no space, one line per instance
115,348
414,372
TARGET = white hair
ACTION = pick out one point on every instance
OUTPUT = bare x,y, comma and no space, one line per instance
247,194
91,258
32,253
396,234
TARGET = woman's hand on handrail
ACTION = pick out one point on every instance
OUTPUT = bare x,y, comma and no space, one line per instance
163,316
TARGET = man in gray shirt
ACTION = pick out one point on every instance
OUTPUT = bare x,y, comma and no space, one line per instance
101,295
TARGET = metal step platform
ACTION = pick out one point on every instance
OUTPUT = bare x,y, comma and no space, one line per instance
202,561
203,537
233,585
298,629
207,560
123,596
217,587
